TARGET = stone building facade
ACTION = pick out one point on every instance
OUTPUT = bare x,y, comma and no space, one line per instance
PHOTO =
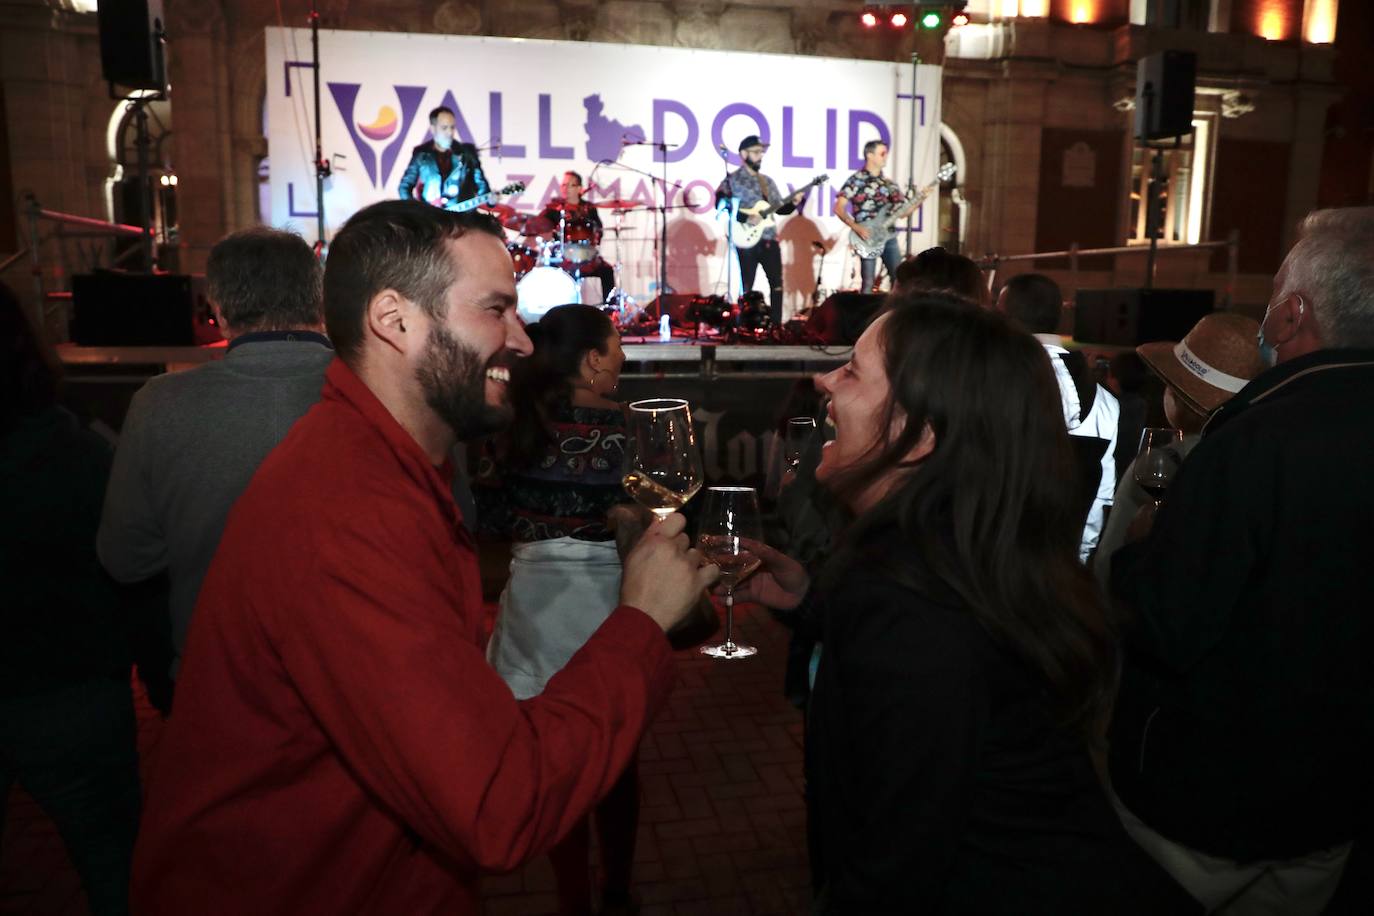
1037,101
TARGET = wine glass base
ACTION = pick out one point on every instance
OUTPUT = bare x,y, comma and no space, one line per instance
729,650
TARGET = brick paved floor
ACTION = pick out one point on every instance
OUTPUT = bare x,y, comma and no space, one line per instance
722,827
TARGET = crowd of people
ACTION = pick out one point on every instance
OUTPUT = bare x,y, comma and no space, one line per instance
1026,689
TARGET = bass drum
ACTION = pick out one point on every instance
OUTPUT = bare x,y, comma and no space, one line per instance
541,289
523,257
581,238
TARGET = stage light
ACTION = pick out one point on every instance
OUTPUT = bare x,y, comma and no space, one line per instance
869,19
898,20
958,20
930,20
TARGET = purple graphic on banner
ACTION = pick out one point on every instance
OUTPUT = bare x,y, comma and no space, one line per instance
730,111
409,97
346,98
604,135
289,66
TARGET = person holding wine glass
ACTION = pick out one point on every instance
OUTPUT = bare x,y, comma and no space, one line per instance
1201,372
552,484
967,658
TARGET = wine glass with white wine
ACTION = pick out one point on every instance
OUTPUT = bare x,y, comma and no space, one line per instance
662,464
800,432
729,527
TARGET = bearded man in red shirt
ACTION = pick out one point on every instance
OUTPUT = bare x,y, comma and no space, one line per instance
340,744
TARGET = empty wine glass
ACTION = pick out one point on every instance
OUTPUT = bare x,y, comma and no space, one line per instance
800,431
1157,461
728,528
662,464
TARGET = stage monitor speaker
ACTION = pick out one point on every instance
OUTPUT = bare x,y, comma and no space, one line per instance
131,37
841,318
1170,76
1127,317
127,310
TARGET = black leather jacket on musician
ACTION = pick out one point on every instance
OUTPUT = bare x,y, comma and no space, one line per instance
464,180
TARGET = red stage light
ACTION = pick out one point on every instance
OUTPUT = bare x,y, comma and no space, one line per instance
868,19
898,20
959,19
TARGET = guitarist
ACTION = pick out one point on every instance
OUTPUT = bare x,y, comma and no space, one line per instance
865,196
443,172
746,186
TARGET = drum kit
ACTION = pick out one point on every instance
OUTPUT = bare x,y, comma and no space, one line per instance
560,262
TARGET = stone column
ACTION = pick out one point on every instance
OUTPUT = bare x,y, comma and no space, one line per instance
202,126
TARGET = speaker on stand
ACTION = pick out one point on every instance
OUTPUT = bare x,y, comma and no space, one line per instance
131,57
1164,88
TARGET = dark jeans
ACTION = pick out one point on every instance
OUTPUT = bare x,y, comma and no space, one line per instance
768,255
868,267
74,750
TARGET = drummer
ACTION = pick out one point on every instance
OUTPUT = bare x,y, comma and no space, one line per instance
578,226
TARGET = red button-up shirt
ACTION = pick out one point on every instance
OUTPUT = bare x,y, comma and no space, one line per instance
339,744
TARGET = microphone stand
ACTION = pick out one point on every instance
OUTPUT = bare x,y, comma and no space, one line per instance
730,232
322,165
662,147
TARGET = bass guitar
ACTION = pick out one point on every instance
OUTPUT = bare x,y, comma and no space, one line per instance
747,234
879,228
482,200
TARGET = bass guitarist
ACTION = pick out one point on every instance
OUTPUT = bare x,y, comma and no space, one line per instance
746,186
865,196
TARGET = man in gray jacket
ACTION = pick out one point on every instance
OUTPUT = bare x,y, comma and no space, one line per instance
192,440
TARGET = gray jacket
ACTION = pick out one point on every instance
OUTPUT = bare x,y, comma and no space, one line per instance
190,444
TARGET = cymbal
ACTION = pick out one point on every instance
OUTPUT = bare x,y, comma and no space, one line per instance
527,223
618,204
502,212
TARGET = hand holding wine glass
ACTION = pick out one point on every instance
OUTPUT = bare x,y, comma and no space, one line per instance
1158,461
662,464
780,582
728,529
662,576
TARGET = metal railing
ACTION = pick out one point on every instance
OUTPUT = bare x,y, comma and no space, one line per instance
81,244
991,262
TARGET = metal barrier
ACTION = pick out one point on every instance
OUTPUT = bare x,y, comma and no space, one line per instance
991,262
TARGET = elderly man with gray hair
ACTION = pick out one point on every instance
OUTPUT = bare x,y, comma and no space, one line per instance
1243,735
192,440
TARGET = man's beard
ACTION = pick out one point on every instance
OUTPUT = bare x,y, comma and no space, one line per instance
454,380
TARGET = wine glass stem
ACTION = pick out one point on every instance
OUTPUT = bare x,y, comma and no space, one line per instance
729,618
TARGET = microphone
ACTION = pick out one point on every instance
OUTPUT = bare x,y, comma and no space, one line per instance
724,153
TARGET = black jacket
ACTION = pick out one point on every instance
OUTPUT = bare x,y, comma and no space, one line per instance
937,780
465,179
1245,722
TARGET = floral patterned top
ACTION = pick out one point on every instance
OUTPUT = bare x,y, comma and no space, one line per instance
870,195
568,492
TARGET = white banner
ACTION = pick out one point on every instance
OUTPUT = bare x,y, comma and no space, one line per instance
539,108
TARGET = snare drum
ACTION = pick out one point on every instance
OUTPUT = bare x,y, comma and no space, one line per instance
523,257
541,289
581,238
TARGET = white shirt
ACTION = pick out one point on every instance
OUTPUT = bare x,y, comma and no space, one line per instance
1101,422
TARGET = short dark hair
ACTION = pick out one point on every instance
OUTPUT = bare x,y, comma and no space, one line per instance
871,145
394,244
577,175
442,109
938,269
1034,300
264,279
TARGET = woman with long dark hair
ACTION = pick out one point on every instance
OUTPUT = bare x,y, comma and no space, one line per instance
549,487
967,659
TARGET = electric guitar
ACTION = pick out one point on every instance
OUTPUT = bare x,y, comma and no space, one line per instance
879,228
747,235
482,200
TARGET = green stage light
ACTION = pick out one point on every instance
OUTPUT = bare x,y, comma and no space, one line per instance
930,20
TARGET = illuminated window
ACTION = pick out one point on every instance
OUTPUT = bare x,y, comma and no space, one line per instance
1172,14
1185,192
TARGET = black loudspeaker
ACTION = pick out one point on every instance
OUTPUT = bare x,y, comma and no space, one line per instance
131,43
127,310
1168,78
843,317
1127,317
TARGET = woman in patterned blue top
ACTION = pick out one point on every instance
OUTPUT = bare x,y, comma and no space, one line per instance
559,476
